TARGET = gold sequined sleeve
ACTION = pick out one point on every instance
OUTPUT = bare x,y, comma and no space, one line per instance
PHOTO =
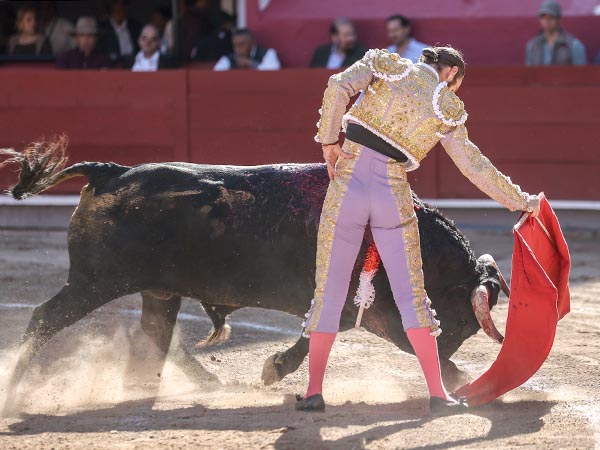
340,89
481,172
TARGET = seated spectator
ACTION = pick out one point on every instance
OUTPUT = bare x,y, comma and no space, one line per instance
553,45
57,30
84,55
399,33
218,43
27,41
247,55
195,23
344,49
119,34
149,58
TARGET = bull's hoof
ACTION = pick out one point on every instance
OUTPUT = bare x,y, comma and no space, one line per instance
217,336
452,376
271,372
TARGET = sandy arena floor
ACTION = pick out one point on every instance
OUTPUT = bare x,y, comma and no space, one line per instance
80,393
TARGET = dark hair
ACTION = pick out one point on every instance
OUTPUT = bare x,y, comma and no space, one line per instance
333,29
441,57
242,32
400,18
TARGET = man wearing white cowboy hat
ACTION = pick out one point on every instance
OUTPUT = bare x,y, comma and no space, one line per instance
84,55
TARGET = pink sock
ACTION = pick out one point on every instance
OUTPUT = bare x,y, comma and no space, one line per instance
318,352
426,350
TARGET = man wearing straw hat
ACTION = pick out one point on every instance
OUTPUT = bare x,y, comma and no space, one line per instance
85,54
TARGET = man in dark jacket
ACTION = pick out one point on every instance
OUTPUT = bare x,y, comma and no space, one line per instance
344,49
119,33
553,45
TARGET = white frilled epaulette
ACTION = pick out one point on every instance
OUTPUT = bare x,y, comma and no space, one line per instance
388,66
448,107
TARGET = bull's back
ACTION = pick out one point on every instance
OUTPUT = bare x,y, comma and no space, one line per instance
214,230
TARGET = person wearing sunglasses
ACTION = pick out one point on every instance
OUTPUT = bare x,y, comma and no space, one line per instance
149,58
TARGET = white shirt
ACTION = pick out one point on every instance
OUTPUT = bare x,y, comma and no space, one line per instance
122,32
143,64
335,59
413,50
269,62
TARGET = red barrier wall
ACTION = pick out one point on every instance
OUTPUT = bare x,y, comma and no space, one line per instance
539,125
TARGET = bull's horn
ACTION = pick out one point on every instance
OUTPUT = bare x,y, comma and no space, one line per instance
489,259
481,308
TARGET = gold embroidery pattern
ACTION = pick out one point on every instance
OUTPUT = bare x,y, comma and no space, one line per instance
402,112
450,105
410,235
331,208
340,88
481,172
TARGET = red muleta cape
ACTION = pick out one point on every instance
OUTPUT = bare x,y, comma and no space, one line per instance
539,298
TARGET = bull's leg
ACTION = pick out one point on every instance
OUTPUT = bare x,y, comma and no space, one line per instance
158,322
281,364
71,304
220,331
453,377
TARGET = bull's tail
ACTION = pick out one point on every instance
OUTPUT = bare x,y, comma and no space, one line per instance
43,166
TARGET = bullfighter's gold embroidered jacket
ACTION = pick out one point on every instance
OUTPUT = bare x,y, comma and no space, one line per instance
406,105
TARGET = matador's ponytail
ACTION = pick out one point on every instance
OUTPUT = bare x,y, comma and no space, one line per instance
441,57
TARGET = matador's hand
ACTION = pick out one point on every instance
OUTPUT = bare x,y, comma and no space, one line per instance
533,205
331,153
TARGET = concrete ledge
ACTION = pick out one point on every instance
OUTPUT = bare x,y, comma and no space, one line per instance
54,212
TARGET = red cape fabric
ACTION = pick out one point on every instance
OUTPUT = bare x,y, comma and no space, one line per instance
539,298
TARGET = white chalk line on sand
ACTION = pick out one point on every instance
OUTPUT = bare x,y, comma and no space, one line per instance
183,316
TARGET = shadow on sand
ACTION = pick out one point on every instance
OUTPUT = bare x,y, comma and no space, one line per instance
294,428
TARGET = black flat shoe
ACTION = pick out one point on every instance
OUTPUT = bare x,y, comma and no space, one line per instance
312,403
440,406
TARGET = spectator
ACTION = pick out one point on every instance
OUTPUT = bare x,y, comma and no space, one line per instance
149,58
195,24
85,55
344,49
57,31
247,55
120,34
218,43
553,45
399,31
27,41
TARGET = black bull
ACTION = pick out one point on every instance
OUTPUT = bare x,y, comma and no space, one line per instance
231,237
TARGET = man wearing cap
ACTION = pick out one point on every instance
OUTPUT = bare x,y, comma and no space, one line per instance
84,55
553,45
